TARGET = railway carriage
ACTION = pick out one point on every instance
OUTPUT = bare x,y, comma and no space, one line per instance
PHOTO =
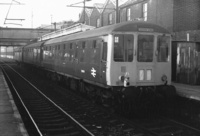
32,53
119,61
18,53
121,58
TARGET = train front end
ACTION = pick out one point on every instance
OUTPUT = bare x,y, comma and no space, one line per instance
139,61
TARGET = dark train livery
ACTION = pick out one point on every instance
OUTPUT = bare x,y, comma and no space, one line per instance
128,59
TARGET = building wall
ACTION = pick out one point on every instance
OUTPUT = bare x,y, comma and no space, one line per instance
160,12
109,8
136,12
94,16
87,19
186,15
186,20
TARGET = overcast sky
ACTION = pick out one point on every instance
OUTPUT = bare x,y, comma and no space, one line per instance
39,12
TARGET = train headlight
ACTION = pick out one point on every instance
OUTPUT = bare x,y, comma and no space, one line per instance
141,75
164,78
121,78
149,73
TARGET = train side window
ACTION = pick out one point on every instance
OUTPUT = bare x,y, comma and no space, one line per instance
82,51
71,46
94,44
163,48
104,54
145,48
71,52
59,47
76,50
123,48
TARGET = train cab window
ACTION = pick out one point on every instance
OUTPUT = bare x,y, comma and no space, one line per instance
163,48
123,48
145,48
58,47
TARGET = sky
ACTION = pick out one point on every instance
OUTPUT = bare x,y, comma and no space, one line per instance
40,12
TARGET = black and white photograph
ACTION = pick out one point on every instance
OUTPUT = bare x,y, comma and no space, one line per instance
100,68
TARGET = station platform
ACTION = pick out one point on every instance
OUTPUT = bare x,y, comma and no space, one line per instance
188,91
11,123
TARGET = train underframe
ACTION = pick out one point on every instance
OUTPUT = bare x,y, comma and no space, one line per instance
119,98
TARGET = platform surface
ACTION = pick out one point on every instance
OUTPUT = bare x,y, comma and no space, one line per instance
188,91
11,123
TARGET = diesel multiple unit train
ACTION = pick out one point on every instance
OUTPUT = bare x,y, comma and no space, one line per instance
120,61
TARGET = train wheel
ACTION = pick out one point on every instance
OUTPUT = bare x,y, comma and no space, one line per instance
168,93
146,101
81,87
73,84
130,101
66,82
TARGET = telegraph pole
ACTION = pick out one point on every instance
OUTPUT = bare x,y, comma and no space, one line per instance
117,11
84,12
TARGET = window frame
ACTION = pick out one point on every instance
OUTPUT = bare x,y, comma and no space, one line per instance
138,53
128,14
98,23
159,47
110,18
124,56
145,11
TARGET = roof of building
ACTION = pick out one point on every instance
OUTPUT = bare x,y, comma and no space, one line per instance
99,6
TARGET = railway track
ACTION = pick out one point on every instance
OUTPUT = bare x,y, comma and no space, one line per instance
65,115
95,121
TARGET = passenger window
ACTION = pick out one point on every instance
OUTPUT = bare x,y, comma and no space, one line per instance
82,51
94,44
123,48
104,54
163,48
145,48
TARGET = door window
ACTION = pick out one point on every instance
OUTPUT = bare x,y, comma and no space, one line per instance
145,48
123,48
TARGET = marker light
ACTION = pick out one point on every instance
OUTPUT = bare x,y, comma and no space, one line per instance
149,73
141,75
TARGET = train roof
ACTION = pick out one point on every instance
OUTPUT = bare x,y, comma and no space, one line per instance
131,26
36,44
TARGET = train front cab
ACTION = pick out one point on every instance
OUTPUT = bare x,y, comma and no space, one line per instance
141,62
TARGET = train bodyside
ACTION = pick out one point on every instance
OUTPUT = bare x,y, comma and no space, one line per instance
18,53
125,54
32,53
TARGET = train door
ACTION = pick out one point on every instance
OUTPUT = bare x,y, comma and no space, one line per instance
162,59
145,62
103,61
